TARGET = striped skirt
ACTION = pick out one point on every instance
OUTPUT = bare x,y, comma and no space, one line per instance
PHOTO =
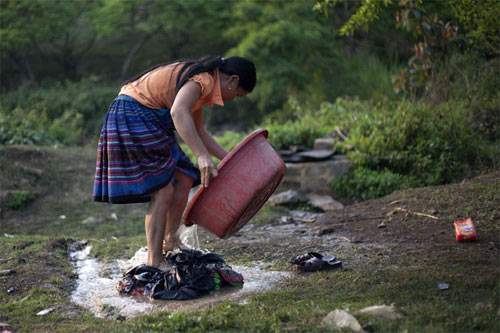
137,153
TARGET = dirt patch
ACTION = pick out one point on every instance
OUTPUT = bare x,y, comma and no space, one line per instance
36,264
424,216
379,233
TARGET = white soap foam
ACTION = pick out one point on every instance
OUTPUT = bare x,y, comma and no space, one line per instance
96,287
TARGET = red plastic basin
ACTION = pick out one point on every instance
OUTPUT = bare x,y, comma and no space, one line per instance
247,177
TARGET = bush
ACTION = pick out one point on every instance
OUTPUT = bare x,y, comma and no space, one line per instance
403,144
476,82
366,184
393,144
24,127
17,199
66,112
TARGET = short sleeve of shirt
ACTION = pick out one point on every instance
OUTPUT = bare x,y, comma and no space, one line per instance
206,81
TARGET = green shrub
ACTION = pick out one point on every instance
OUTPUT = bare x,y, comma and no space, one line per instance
297,133
366,184
17,199
476,83
24,127
394,144
66,112
404,144
301,129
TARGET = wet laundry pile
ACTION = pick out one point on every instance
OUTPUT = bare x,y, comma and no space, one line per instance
192,274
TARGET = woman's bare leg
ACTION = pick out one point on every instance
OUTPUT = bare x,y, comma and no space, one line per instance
182,185
155,223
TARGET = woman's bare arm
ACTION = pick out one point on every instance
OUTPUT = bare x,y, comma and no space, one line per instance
184,124
213,147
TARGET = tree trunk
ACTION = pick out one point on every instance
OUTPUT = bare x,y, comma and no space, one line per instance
23,65
130,56
350,39
134,51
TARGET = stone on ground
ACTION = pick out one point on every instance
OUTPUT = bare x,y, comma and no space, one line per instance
340,319
381,312
289,197
324,202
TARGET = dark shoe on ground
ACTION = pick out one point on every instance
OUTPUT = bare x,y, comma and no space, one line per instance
297,260
314,261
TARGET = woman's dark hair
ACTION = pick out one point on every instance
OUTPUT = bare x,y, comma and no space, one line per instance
242,67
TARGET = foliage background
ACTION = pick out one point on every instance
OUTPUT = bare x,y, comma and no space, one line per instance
414,83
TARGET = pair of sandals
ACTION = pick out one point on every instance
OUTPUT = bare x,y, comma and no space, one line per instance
313,261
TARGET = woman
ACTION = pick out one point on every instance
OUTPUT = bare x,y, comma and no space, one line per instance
138,158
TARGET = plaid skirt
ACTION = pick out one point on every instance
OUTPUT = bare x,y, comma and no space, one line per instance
137,153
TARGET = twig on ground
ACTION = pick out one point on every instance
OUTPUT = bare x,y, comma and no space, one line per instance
396,201
308,220
394,211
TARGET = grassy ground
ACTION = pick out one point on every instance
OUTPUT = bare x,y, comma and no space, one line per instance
46,206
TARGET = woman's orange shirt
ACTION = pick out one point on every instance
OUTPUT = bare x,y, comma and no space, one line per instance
156,89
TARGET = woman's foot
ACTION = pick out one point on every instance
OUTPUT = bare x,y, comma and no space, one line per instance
171,243
163,265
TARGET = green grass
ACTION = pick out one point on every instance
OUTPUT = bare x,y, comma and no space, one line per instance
306,301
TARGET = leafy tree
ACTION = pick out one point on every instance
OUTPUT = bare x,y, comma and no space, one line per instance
52,30
186,28
367,12
481,22
294,48
434,26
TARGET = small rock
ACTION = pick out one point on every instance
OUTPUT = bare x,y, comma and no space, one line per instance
443,286
11,290
89,219
9,235
7,272
316,155
381,225
289,197
381,312
92,219
114,216
324,202
45,311
286,219
340,319
62,217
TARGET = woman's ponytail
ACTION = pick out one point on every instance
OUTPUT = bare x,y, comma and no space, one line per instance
242,67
